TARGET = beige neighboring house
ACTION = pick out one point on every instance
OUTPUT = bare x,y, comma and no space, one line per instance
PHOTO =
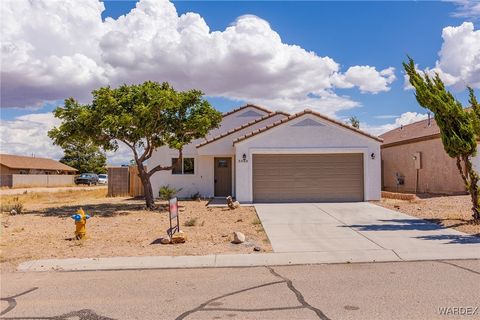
21,171
413,159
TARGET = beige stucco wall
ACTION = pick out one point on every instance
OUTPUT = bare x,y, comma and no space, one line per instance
438,173
42,180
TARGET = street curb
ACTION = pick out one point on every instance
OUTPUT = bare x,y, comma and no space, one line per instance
241,260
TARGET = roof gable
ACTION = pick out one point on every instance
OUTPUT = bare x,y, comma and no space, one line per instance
308,123
299,114
246,125
262,109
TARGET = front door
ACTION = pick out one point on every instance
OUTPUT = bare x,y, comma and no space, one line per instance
223,177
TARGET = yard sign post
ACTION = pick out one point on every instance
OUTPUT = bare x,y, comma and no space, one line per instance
173,211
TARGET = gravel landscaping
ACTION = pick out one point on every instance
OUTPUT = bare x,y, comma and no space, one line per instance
120,227
449,211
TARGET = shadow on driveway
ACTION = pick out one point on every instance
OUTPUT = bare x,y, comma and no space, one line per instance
419,225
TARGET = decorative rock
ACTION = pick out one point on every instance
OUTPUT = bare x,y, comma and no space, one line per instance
164,241
179,237
232,204
257,249
238,237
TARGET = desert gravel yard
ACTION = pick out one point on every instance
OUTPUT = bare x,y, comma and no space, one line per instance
448,211
120,227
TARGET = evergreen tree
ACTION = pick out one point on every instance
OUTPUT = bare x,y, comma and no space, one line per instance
85,157
354,122
459,127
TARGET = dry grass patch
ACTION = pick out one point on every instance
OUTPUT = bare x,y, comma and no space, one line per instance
120,227
39,200
448,211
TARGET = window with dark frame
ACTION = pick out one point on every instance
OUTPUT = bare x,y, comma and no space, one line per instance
177,166
187,167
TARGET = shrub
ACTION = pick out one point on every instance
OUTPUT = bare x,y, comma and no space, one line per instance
190,222
256,221
196,196
167,192
15,206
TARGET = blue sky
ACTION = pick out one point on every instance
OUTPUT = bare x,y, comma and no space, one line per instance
374,34
379,33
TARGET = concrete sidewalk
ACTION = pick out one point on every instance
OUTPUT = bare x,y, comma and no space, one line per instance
246,260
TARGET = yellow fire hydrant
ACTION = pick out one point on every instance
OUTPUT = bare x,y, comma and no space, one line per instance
80,224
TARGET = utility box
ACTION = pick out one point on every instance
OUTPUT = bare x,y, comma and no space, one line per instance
417,158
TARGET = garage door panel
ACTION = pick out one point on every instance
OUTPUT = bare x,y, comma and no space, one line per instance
307,177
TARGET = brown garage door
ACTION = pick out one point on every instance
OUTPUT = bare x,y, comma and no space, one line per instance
307,177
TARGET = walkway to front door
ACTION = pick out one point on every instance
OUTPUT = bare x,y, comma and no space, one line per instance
223,177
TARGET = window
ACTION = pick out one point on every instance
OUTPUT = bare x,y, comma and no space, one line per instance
187,167
222,163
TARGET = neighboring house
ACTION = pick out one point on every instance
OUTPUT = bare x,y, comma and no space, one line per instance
10,164
16,171
262,156
414,156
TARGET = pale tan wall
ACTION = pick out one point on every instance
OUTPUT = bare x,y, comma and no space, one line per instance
41,180
439,173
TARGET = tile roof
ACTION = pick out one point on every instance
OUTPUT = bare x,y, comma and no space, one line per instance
246,106
21,162
417,131
299,114
248,124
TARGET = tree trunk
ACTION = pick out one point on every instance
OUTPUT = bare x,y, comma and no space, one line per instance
147,187
470,178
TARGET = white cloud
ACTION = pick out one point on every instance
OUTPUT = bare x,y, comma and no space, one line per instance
27,135
404,119
367,79
467,8
458,63
54,49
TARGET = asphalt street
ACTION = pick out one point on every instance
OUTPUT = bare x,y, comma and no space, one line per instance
395,290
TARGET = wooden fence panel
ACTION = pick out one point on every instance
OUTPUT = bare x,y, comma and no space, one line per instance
135,185
118,181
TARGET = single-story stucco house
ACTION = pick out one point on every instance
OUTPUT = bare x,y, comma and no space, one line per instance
414,160
22,171
14,164
257,155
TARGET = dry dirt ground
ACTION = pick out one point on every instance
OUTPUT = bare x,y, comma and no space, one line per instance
449,211
119,227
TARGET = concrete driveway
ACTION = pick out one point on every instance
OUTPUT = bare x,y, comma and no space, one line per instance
361,227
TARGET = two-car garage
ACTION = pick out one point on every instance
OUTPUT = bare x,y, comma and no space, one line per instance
322,177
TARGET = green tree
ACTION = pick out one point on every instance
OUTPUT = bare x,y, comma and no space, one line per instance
84,156
354,122
459,127
144,117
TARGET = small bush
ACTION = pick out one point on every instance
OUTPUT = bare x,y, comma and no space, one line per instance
256,222
190,222
196,196
15,206
167,192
